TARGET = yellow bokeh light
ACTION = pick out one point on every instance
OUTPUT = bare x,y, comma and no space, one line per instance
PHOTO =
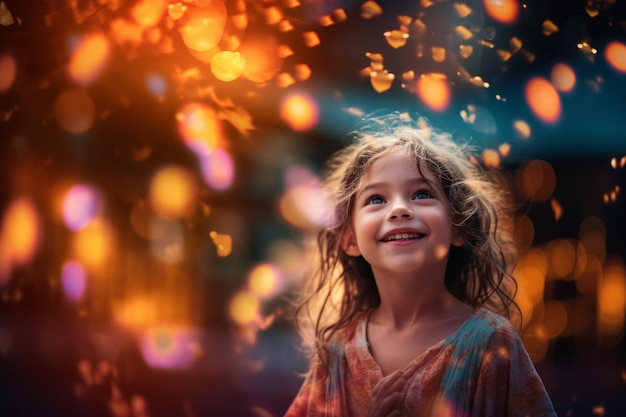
20,231
173,192
75,111
223,243
202,26
615,54
263,280
88,60
263,57
543,100
381,80
522,129
93,244
434,91
244,308
200,127
300,112
227,66
396,38
563,77
504,11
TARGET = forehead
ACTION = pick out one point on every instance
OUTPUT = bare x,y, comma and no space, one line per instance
396,165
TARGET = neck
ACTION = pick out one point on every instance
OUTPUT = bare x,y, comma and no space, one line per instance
407,300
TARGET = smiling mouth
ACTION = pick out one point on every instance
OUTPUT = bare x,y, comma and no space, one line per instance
402,236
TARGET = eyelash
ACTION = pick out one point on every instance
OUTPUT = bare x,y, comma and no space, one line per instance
377,197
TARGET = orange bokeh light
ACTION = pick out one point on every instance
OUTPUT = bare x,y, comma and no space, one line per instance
434,91
615,54
173,192
227,65
199,127
543,99
202,27
75,111
8,71
504,11
89,58
20,231
148,12
300,112
563,77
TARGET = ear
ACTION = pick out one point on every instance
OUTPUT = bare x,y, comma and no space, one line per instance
348,243
457,239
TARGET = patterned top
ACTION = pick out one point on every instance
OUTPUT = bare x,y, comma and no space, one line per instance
480,370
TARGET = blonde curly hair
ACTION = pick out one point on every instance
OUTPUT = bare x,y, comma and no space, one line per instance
339,286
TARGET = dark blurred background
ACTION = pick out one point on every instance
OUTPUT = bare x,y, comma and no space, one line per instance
155,192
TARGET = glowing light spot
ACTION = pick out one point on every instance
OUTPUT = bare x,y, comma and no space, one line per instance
531,282
311,39
173,192
299,111
157,85
491,158
168,242
89,58
263,57
202,26
74,111
504,11
168,347
537,180
381,80
370,9
555,318
563,78
557,208
434,91
148,12
93,243
20,231
80,205
200,128
218,169
264,280
612,298
615,54
522,129
543,100
562,258
176,10
8,71
136,313
244,308
396,38
73,280
223,243
227,66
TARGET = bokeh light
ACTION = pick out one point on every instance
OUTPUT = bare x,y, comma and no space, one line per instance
75,111
434,91
89,58
218,169
73,280
173,192
244,308
8,72
265,280
536,180
299,111
199,127
157,85
202,25
81,204
563,77
21,231
504,11
262,54
168,347
93,244
227,65
615,54
148,13
543,100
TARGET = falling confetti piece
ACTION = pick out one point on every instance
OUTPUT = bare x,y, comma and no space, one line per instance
370,9
311,39
549,28
396,38
557,209
223,243
381,80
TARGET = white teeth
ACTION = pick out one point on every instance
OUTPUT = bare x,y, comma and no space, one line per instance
402,236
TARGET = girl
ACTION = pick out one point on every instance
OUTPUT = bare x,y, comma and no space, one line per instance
407,307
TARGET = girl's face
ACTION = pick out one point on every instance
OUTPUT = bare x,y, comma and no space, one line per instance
400,218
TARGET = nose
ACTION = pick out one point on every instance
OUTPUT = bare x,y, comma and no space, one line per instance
400,209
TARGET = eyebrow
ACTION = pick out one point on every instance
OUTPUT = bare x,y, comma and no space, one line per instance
414,181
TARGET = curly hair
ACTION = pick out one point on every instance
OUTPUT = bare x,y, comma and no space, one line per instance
340,287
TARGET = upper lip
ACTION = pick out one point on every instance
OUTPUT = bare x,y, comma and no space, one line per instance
401,231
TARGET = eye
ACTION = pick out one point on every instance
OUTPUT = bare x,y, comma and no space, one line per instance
422,195
375,199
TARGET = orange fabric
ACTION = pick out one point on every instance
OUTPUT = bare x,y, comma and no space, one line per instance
482,369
